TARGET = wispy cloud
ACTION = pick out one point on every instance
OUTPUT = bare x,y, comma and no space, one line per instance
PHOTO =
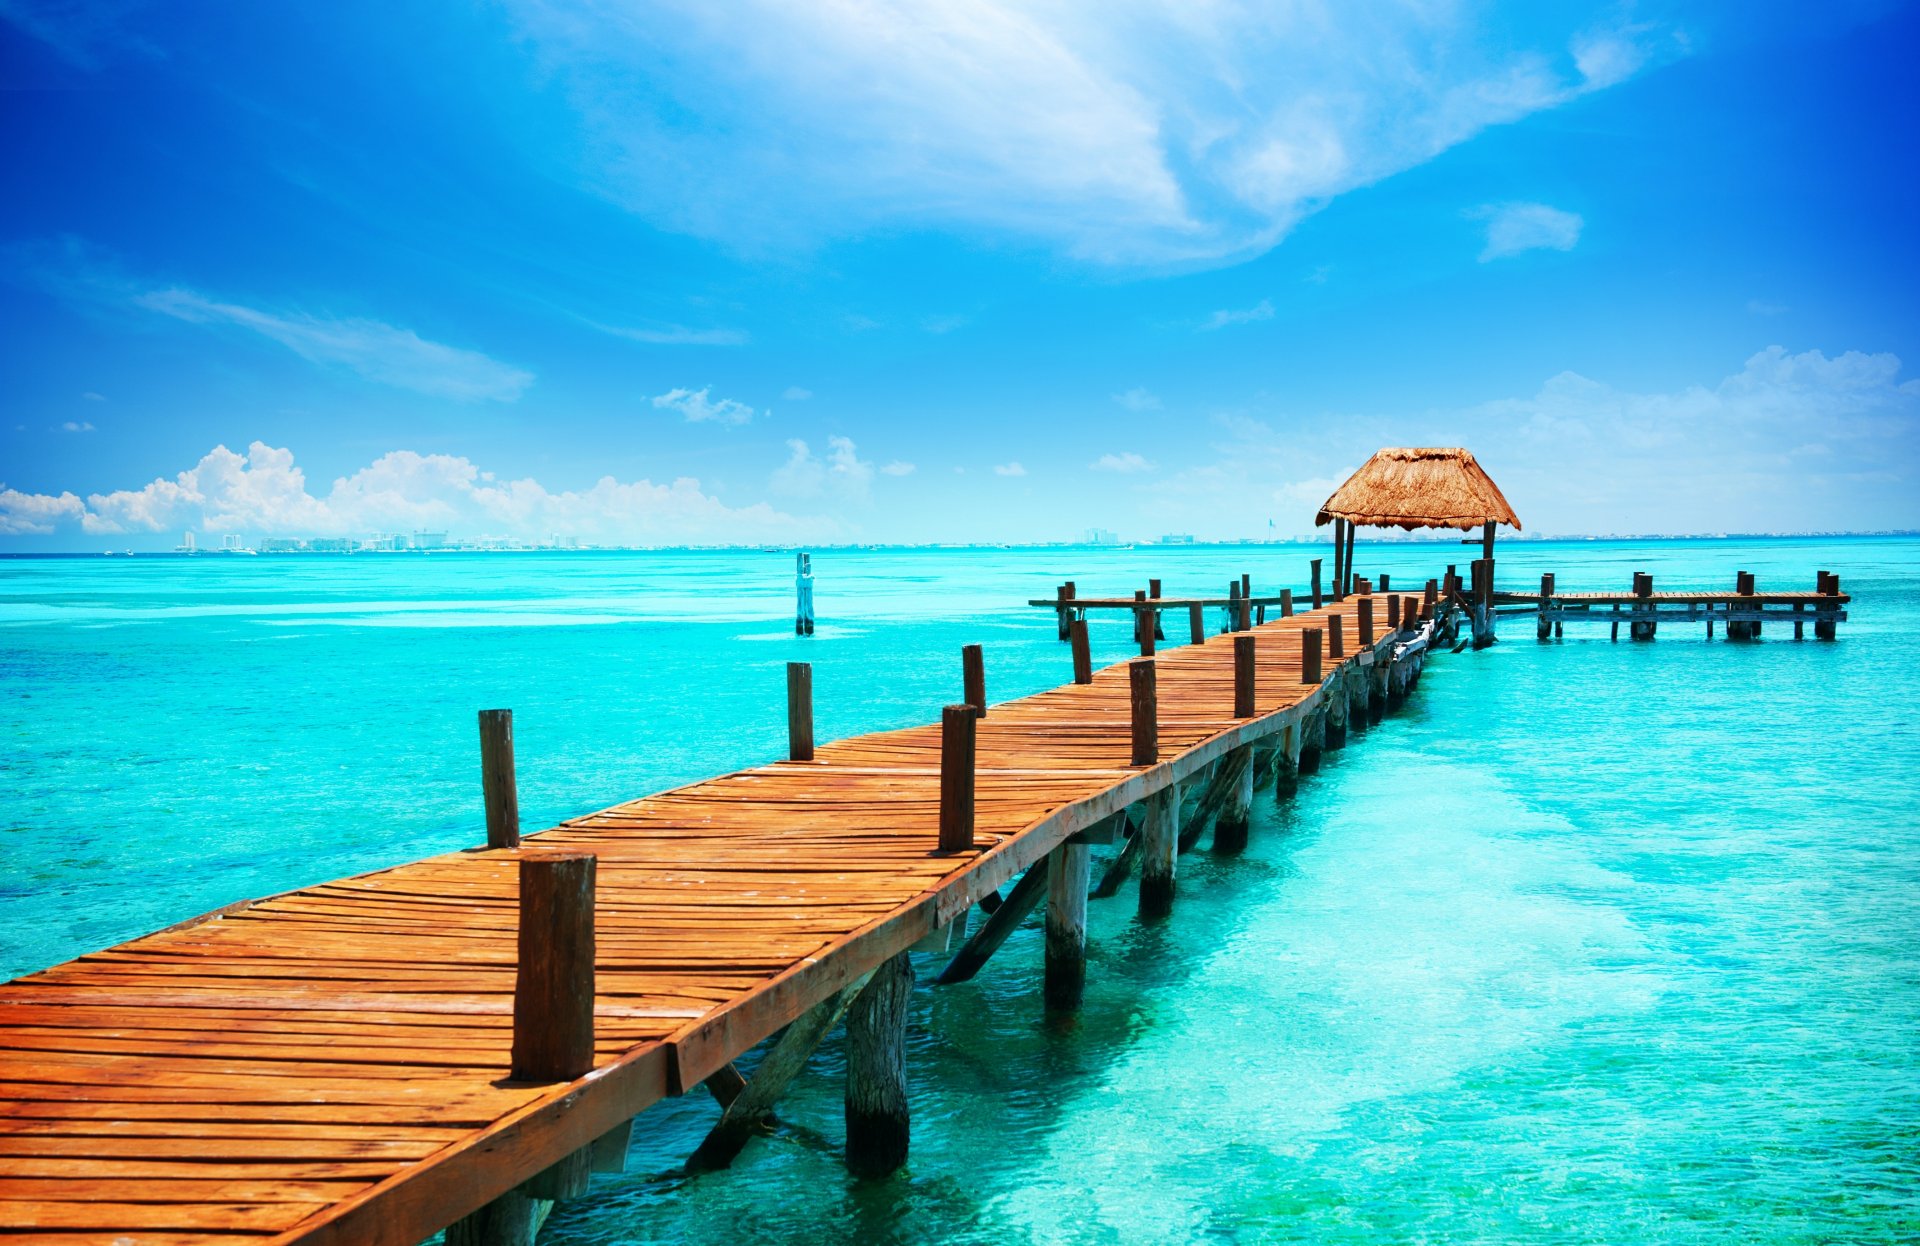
1138,399
699,407
897,468
90,396
383,353
1516,227
1263,310
76,426
1009,469
1126,463
677,335
264,492
1155,133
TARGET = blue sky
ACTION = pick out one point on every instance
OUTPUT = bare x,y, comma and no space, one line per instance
668,273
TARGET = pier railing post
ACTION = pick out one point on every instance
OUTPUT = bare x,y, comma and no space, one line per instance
1364,609
973,678
1196,622
799,711
1310,655
1409,614
1142,623
957,733
553,994
1432,598
1066,611
1642,629
1243,676
1069,870
498,787
1318,597
1153,591
1286,603
878,1124
1144,703
1082,652
1828,585
1336,641
1233,605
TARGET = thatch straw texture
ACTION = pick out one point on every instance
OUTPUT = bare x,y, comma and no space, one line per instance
1419,488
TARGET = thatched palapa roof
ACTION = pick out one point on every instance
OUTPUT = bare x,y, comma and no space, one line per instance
1419,488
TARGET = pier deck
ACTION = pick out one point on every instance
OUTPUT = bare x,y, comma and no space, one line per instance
330,1065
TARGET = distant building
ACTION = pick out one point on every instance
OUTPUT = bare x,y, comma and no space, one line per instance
188,545
1102,536
429,540
1177,538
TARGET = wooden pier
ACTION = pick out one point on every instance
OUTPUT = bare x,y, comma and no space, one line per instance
1743,612
377,1058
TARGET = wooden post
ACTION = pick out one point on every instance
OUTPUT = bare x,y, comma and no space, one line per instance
553,990
1432,598
802,593
1243,673
1066,612
1318,598
1286,761
1336,642
1365,607
1069,869
1798,624
1286,603
1362,586
1246,612
1543,628
957,729
1230,824
1409,614
1153,591
1160,849
1385,585
877,1118
1233,605
1310,655
1824,623
1351,527
1142,623
498,788
1143,699
799,711
1643,589
1196,622
973,678
1082,652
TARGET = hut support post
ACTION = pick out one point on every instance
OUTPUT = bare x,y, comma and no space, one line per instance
877,1121
1347,586
1339,558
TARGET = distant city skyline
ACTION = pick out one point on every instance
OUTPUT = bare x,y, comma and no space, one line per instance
666,274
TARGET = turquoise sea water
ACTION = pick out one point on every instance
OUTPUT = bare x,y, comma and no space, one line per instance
1594,942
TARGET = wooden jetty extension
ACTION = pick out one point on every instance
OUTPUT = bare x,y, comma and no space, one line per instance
458,1042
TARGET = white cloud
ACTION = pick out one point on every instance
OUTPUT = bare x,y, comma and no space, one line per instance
1263,310
1143,133
794,393
897,468
379,352
76,426
842,475
1126,463
698,407
678,335
1516,227
264,493
1138,399
1010,469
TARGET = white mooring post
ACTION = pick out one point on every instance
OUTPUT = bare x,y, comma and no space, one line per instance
803,594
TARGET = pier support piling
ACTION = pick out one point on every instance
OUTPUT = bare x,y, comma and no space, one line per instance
1069,867
1236,810
877,1116
1643,629
1159,851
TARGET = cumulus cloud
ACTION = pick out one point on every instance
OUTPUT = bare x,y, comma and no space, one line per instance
265,493
698,407
380,352
1144,133
1516,227
841,475
1125,464
1263,310
1138,399
1010,469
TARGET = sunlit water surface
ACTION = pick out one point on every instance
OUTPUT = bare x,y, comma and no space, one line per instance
1593,942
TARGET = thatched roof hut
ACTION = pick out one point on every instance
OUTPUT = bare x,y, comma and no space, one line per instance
1419,488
